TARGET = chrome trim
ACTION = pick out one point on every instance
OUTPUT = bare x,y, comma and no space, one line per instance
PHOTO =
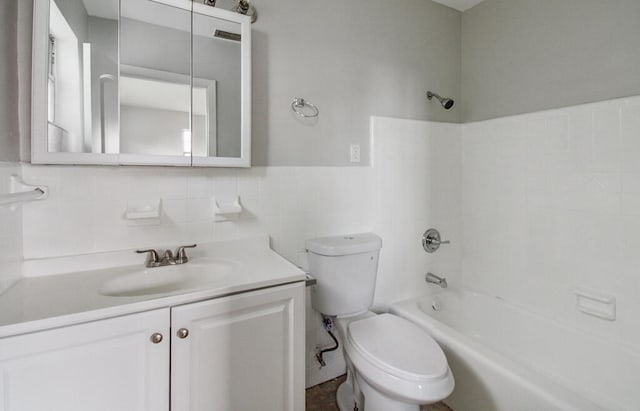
431,240
434,279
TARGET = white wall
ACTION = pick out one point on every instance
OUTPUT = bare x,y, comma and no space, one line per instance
10,233
353,59
159,132
551,202
10,220
521,56
9,124
22,101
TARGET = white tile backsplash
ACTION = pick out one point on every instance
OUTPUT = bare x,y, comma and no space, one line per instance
86,210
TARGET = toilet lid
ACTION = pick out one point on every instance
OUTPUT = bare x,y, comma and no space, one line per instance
399,347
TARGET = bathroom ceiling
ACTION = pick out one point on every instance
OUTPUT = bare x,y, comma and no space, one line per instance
461,5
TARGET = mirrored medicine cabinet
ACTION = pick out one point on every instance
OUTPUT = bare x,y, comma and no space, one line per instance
140,82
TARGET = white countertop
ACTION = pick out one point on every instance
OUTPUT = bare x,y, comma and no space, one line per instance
47,297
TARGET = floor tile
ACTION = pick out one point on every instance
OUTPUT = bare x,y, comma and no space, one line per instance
323,398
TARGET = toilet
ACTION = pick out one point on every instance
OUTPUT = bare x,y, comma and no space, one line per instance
392,364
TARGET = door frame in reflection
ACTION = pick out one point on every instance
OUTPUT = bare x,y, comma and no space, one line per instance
197,97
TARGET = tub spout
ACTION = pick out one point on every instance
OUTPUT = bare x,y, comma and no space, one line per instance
434,279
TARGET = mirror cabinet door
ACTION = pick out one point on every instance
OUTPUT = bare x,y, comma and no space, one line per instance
155,82
75,80
216,87
221,89
163,82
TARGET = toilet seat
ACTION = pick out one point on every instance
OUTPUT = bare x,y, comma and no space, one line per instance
397,357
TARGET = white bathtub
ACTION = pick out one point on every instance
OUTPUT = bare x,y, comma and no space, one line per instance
505,358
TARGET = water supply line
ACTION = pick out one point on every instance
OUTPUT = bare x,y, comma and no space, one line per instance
327,323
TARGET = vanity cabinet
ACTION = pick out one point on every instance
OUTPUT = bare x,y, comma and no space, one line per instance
244,352
102,365
241,352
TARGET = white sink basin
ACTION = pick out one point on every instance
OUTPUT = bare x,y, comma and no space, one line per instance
198,273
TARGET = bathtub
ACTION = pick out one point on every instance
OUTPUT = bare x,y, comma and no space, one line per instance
505,358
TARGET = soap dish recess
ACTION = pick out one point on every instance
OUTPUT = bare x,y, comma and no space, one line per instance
225,209
143,210
596,304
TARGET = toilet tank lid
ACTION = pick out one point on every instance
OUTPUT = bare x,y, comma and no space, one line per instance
344,244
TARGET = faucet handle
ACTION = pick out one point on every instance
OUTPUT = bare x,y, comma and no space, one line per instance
152,258
181,254
431,240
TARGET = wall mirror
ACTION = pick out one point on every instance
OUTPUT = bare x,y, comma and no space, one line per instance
141,82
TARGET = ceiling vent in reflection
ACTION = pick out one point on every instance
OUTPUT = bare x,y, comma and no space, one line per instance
227,35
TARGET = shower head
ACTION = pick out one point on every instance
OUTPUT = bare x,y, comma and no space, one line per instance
447,103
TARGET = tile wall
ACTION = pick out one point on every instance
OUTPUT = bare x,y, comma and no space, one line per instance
551,203
85,211
417,168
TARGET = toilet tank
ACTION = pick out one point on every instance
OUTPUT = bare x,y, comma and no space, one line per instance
345,269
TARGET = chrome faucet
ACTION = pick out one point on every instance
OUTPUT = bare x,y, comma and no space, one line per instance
434,279
168,257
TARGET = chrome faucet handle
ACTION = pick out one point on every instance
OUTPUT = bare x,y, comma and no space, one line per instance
181,254
153,260
431,240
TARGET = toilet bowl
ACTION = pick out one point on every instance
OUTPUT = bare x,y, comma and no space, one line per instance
392,364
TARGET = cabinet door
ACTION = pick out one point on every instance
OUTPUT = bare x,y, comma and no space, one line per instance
244,352
104,365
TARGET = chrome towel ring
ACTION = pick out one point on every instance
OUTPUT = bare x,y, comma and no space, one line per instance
298,106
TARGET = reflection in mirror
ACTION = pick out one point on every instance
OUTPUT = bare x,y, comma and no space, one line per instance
217,59
155,83
141,82
82,68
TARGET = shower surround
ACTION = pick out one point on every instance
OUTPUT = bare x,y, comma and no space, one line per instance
551,203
